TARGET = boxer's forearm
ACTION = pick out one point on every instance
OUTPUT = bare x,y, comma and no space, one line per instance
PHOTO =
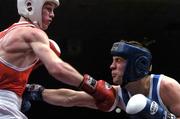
68,98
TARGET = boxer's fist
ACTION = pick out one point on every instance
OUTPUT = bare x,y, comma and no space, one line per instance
141,106
106,96
25,106
33,92
103,92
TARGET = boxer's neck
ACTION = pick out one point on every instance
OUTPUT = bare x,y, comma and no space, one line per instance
140,86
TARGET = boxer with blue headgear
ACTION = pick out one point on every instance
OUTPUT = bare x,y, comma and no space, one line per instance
138,60
141,94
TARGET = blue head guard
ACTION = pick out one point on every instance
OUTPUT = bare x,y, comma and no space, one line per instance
138,60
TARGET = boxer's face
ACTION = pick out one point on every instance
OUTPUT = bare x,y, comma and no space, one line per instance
117,69
47,14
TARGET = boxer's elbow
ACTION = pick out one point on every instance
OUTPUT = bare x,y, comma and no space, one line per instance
175,109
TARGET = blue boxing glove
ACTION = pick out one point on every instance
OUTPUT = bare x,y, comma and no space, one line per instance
33,92
25,106
140,106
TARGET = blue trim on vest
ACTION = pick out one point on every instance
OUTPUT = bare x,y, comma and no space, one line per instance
125,96
154,88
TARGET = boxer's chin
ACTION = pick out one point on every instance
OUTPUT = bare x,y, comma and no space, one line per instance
45,26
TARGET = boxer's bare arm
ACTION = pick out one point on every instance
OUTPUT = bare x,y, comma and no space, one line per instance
68,98
59,69
170,95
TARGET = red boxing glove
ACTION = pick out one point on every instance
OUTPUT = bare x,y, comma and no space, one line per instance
106,96
103,92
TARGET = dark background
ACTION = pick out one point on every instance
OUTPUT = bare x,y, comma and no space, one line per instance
85,31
